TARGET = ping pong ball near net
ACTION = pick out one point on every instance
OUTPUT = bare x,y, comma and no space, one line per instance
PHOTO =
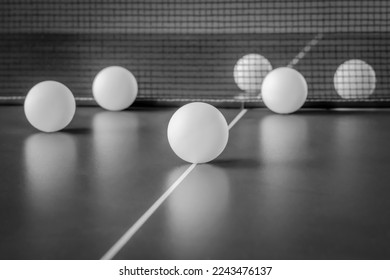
115,88
250,71
49,106
354,79
198,132
284,90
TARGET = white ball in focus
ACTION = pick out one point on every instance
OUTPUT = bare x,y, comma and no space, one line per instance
198,132
49,106
115,88
250,71
284,90
354,79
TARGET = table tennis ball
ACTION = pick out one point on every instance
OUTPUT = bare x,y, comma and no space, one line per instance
115,88
49,106
354,79
198,132
250,71
284,90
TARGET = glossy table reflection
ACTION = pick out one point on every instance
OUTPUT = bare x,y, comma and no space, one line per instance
313,185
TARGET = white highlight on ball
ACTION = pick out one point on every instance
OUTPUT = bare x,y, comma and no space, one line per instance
250,71
198,132
115,88
284,90
354,79
49,106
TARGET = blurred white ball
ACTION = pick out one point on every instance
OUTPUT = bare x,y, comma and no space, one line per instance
250,71
354,79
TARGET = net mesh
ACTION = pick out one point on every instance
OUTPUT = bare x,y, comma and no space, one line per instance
217,51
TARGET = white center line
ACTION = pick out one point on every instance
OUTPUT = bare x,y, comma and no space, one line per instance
237,118
142,220
305,50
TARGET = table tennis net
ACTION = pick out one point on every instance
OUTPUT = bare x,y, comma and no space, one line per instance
183,51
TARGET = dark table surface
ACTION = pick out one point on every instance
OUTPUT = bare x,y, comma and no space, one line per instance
313,185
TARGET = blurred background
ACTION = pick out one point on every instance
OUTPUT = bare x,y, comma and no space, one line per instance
183,51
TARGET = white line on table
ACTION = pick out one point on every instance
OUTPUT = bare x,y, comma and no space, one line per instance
142,220
305,50
237,118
